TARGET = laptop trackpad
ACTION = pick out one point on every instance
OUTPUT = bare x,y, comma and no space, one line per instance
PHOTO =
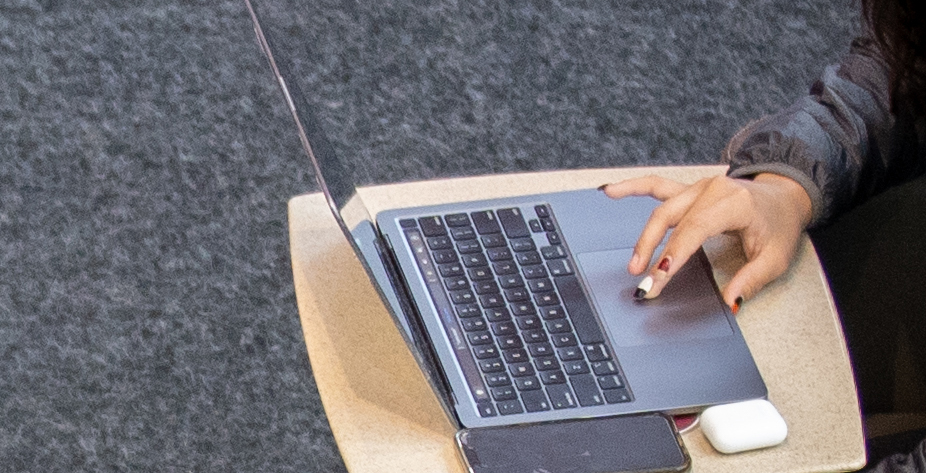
688,307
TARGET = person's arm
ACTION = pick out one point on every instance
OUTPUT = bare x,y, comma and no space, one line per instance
841,142
795,169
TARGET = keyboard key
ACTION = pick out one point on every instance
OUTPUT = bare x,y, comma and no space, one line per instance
486,409
535,225
451,269
534,336
499,254
497,314
493,240
559,326
547,224
546,298
574,367
611,381
464,296
528,322
511,280
502,268
569,353
586,390
540,349
552,377
531,272
485,222
504,393
467,310
510,341
553,252
498,379
527,258
457,283
488,301
483,352
523,308
560,267
462,233
564,340
517,355
517,294
474,324
479,338
540,285
468,246
510,407
596,352
501,329
601,368
408,223
614,396
542,210
432,226
552,312
521,369
457,220
522,244
535,401
493,365
474,259
485,287
579,310
480,273
561,396
513,222
554,239
545,363
527,383
439,243
444,256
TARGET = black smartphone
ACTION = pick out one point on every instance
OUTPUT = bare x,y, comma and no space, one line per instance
647,443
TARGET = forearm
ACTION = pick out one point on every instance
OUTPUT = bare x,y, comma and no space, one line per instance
840,143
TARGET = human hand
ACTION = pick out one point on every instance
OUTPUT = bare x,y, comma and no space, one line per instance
769,213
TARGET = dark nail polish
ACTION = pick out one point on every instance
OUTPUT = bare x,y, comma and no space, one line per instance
664,265
736,305
639,294
601,187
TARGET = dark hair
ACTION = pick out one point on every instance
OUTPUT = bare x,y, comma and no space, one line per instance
899,27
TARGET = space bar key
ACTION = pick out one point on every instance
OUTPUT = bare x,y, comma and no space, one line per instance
579,310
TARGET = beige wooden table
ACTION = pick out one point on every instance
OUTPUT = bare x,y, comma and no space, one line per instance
385,418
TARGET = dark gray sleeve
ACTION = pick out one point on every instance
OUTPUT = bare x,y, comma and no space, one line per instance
913,462
840,142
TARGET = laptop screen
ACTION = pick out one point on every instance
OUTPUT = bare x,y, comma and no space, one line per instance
348,209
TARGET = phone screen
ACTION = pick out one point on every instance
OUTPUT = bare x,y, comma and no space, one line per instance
642,443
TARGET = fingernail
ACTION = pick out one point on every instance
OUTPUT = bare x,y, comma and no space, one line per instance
644,287
664,264
601,187
736,305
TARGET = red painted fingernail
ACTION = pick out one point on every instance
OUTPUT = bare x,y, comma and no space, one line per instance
736,305
664,265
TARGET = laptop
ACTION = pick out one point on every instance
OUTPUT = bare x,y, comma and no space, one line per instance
520,309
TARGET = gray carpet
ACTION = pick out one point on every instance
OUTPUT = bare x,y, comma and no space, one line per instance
147,314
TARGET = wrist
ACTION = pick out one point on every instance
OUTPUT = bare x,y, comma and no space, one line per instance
788,190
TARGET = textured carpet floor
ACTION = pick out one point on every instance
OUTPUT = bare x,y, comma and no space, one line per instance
147,315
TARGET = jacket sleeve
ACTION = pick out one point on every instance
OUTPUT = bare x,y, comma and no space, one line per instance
840,142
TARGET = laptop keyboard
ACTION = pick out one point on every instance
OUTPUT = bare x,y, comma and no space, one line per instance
522,329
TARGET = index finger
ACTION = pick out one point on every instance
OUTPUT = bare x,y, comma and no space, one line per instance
654,186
